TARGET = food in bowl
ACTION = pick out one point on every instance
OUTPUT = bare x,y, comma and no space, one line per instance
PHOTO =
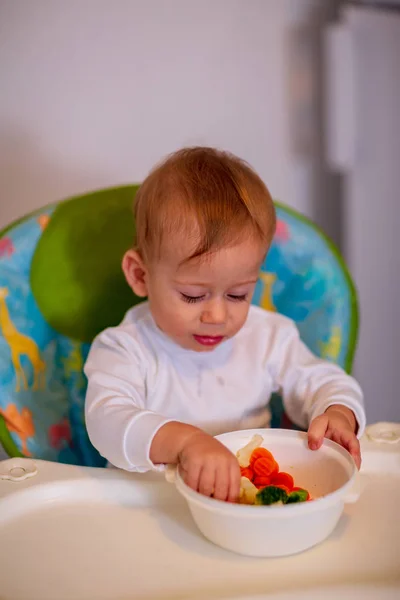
262,483
329,474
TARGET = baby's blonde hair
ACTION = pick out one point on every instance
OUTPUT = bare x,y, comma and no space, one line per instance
206,194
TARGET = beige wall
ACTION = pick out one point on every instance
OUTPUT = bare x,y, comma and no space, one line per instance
93,92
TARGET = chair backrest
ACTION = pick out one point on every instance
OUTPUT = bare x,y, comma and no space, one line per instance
61,283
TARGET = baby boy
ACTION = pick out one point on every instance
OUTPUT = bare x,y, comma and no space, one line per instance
196,358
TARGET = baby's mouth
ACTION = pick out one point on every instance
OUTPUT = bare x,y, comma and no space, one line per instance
208,340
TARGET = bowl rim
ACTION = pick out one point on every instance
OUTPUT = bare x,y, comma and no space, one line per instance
284,511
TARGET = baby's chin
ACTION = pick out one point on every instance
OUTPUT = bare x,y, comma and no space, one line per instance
204,349
193,346
201,344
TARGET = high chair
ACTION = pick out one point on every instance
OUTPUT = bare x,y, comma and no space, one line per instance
61,283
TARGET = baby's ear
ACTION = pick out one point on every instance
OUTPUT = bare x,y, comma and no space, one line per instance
135,272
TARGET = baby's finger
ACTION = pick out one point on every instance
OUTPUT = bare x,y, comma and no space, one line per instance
234,484
353,446
316,432
191,475
207,480
222,479
349,441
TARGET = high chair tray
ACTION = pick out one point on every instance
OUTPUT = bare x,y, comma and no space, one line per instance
71,533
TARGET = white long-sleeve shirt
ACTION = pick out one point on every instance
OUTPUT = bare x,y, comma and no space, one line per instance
139,379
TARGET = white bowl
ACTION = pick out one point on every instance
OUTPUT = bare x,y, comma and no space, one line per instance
328,474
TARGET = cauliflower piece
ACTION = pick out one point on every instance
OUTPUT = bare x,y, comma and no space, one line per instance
248,491
243,455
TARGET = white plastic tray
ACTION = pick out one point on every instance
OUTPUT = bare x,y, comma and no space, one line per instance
101,534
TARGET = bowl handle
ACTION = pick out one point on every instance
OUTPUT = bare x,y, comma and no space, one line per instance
170,473
354,492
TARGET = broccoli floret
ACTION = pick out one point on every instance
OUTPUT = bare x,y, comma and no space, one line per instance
297,496
271,494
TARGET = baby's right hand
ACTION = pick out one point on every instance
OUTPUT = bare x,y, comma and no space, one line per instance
208,467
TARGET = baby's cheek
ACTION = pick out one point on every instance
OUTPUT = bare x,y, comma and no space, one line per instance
183,322
176,319
240,316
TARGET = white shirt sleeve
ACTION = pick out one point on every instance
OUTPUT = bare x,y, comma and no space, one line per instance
309,385
117,422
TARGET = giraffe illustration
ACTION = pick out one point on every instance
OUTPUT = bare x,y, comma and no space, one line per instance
73,365
331,348
43,221
20,423
268,280
21,345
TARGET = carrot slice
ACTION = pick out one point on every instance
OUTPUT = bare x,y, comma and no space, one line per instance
261,482
283,487
247,472
260,453
283,478
265,467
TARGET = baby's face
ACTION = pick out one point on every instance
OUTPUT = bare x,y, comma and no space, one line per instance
202,302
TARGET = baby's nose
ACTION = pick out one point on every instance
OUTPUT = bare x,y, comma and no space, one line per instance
214,313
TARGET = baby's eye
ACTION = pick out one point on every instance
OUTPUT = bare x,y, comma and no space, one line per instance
191,299
237,298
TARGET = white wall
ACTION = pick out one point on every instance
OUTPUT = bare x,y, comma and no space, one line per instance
373,206
363,51
93,92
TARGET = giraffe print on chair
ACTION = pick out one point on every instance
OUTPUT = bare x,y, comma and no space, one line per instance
73,365
20,423
268,280
21,345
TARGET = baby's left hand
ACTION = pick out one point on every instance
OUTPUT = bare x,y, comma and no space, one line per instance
338,424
